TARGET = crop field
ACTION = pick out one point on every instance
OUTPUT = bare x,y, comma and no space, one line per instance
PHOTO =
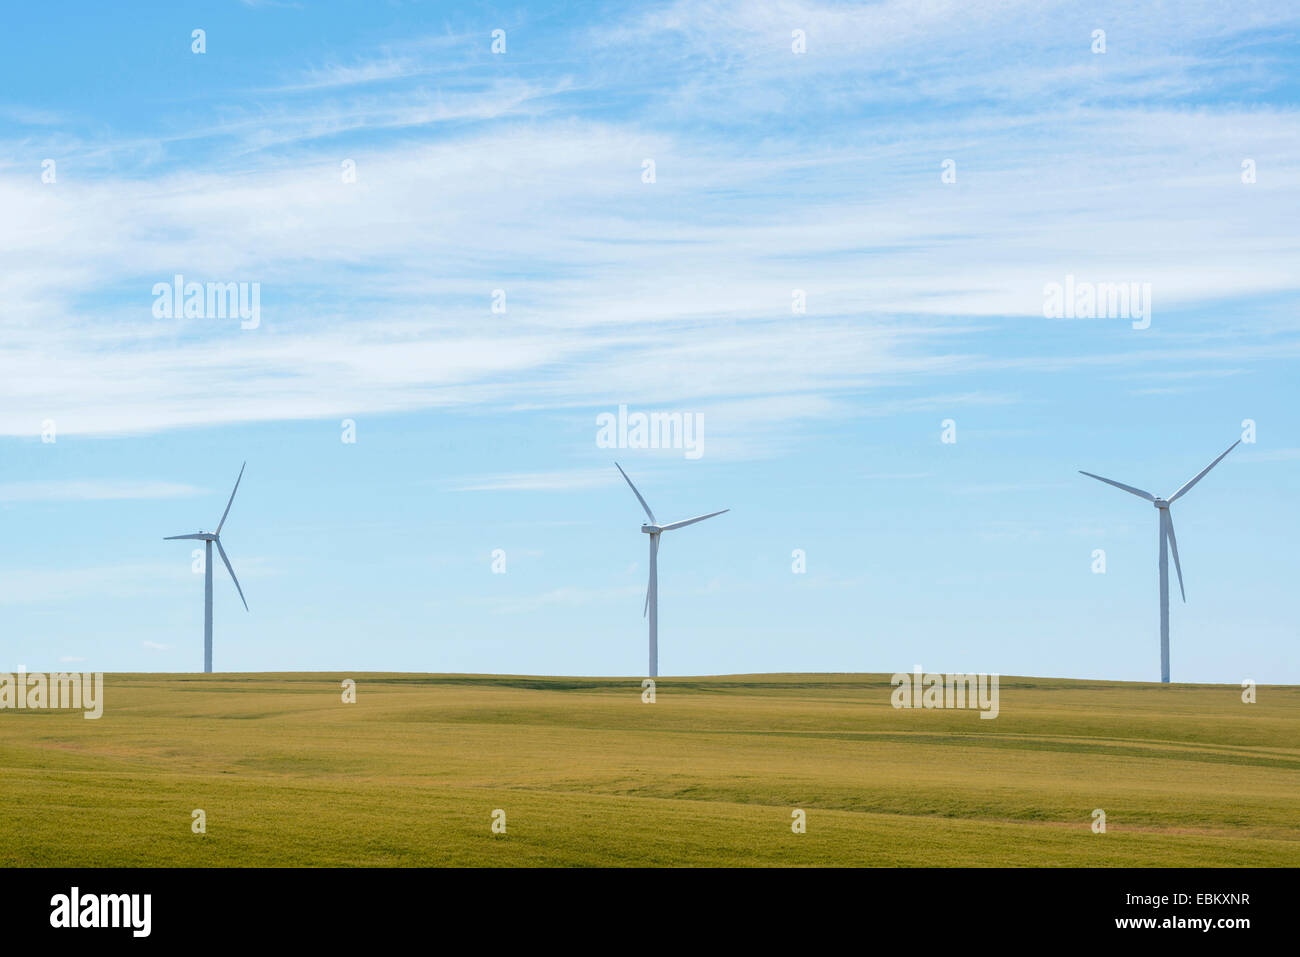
585,773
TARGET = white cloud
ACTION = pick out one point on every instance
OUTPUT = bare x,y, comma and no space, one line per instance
375,294
92,490
569,596
27,585
1273,455
557,481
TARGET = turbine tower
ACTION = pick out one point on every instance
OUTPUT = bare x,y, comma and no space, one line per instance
209,538
1168,543
654,530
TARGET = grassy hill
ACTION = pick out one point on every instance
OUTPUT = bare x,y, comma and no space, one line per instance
709,774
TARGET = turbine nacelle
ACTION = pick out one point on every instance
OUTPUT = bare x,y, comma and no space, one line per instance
1160,503
652,529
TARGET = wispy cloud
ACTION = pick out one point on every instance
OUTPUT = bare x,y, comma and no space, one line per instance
30,585
370,71
93,490
1005,488
558,481
569,596
678,291
1273,455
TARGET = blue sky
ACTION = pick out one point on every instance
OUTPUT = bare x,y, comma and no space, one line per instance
475,430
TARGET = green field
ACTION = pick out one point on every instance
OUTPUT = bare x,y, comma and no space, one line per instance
709,774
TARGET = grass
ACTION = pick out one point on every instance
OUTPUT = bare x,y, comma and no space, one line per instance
587,774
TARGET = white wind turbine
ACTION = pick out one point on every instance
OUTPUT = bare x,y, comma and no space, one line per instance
1167,543
654,530
209,538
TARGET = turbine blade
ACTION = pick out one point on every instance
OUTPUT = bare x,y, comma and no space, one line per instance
1173,547
1128,488
653,520
232,500
173,538
1201,474
692,521
232,574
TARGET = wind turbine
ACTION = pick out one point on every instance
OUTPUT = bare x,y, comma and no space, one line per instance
654,530
1167,543
209,538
